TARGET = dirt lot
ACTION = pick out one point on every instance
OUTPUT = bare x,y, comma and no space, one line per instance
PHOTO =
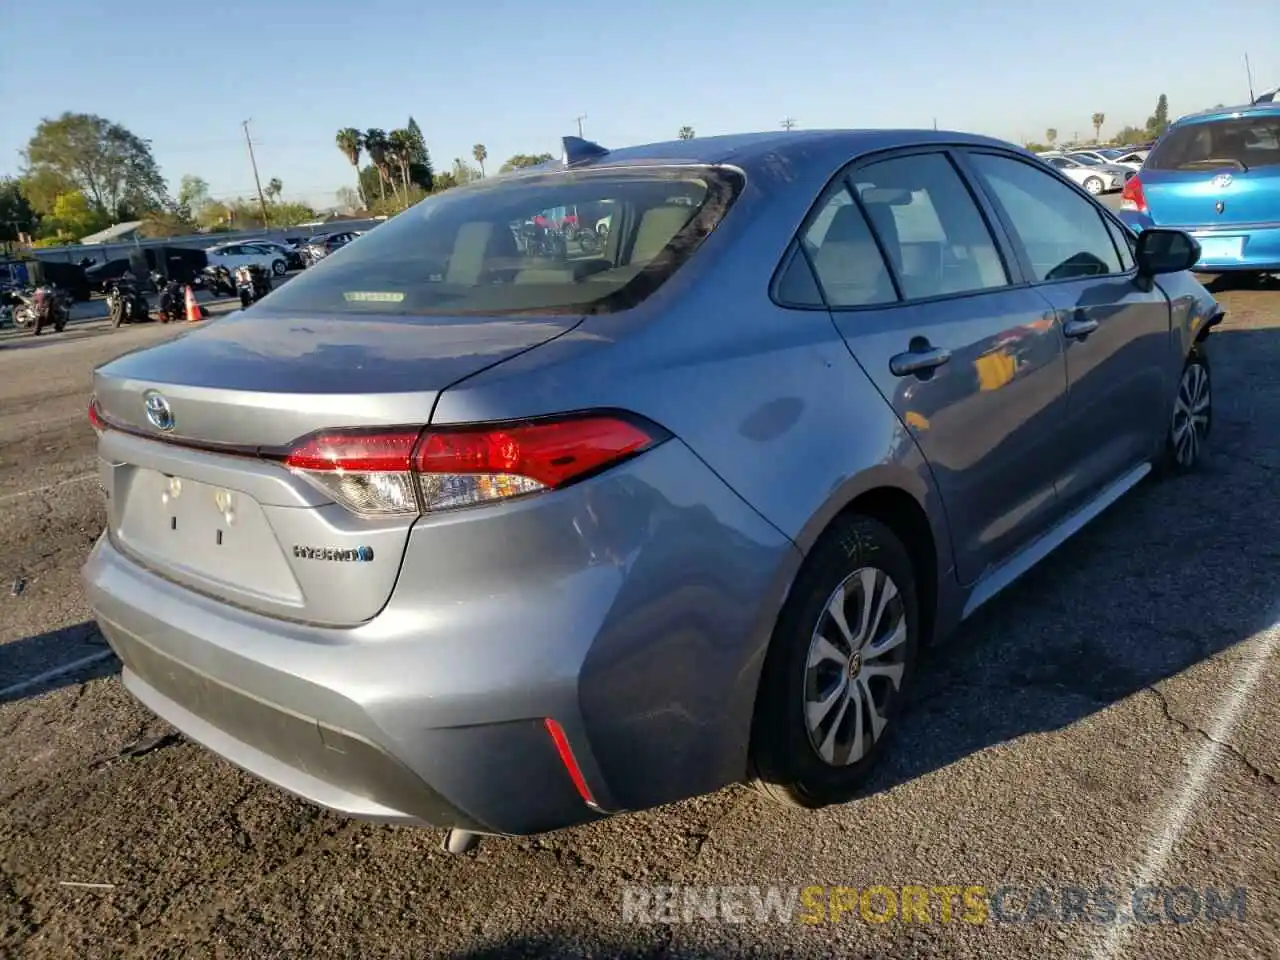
1112,721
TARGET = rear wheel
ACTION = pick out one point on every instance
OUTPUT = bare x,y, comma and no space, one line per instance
279,268
838,664
1093,185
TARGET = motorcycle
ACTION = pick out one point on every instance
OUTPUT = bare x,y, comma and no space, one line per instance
173,299
252,284
217,279
48,305
125,303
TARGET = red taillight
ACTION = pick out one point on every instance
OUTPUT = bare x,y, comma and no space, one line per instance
404,471
95,416
1132,197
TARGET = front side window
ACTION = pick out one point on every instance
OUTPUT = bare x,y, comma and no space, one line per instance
930,226
1063,234
528,245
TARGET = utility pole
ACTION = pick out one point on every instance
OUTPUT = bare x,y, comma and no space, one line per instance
1248,72
266,219
580,119
789,123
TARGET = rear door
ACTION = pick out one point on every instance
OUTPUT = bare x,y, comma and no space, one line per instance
919,288
1216,175
1120,354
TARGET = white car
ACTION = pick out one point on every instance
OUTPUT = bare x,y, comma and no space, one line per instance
1095,178
233,255
1092,158
1135,159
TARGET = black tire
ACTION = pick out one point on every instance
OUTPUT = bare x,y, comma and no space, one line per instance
786,765
1178,456
279,268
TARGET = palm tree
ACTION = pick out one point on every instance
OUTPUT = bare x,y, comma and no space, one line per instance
378,147
350,142
481,155
1051,135
1098,120
686,133
401,155
274,187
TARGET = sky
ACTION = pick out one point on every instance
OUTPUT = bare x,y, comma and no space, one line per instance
516,75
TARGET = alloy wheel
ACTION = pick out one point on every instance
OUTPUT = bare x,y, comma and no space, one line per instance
1192,410
854,667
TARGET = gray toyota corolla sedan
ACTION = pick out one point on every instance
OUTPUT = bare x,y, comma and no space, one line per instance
617,480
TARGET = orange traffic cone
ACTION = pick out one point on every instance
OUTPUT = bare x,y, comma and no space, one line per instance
194,311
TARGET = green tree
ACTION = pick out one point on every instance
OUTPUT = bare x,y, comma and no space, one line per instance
1051,135
193,192
522,160
16,213
421,171
350,142
112,167
378,147
400,156
43,187
444,181
1158,122
371,185
1129,135
1098,119
686,133
74,217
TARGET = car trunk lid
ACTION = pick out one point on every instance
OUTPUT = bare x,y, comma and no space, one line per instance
192,426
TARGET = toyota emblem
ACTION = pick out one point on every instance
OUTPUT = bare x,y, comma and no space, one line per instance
159,413
1222,180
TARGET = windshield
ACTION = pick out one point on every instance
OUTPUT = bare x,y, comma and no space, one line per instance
582,242
1236,143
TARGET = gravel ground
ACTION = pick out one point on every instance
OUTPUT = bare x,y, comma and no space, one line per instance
1111,721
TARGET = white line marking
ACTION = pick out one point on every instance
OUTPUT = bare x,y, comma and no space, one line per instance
1180,804
39,678
81,478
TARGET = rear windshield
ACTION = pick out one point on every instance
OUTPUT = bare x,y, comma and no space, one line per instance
581,242
1239,143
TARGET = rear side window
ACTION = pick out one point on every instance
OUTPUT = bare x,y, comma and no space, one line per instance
1239,143
1063,234
591,241
845,256
931,228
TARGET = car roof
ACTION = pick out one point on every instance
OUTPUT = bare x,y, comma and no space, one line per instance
1227,113
826,149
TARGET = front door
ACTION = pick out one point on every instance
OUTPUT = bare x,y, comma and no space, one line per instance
1121,356
972,365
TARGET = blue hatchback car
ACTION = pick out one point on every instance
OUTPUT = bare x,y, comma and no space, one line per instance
1216,175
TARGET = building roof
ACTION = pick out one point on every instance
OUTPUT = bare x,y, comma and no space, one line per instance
119,231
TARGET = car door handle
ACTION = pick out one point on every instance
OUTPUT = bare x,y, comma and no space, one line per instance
1077,328
919,360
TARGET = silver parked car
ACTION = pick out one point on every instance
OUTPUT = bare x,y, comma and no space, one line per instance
456,532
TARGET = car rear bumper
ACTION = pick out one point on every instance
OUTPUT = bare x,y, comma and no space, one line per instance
639,629
1258,248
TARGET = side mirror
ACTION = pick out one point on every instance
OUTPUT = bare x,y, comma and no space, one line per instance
1163,251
